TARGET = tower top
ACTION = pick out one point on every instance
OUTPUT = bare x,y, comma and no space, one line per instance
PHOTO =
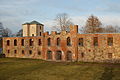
33,22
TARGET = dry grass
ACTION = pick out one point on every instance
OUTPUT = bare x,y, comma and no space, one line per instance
30,69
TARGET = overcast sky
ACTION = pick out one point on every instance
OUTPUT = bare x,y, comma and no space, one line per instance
13,13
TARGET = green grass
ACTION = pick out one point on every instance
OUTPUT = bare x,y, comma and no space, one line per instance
30,69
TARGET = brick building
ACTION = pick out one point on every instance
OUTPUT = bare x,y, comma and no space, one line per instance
63,46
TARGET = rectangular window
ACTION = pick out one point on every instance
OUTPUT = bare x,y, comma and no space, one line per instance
30,52
15,51
8,42
40,27
39,42
82,55
31,42
58,41
110,55
49,41
80,42
39,52
8,51
22,42
68,41
40,33
22,51
95,41
110,41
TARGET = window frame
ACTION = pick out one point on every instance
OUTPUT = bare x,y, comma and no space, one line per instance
69,41
58,41
15,42
49,41
22,42
110,41
8,42
95,41
81,42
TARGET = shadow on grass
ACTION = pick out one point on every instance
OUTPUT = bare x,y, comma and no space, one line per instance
108,73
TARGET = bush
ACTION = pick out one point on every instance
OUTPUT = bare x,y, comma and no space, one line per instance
2,55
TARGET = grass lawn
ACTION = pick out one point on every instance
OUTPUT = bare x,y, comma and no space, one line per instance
30,69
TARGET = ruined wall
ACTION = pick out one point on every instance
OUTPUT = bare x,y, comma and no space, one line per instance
88,51
23,51
103,51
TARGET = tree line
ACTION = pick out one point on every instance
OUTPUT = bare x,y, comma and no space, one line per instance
93,25
62,23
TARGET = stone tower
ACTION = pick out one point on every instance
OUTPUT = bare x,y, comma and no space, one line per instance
33,28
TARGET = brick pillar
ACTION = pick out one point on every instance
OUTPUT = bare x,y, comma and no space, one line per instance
63,56
53,56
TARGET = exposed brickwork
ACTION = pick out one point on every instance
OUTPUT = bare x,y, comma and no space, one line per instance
84,49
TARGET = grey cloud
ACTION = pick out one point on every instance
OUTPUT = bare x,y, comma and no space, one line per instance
115,7
110,7
14,12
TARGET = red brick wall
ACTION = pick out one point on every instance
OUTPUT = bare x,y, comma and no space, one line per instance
88,52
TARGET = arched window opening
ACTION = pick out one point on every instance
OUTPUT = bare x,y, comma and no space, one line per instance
69,56
23,52
22,42
49,55
49,42
40,33
80,42
39,52
68,41
8,51
58,41
15,42
39,42
31,42
8,42
30,52
58,55
15,51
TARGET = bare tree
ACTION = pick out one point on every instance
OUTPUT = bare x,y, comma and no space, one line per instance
4,32
20,33
93,25
7,32
117,29
63,22
111,29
